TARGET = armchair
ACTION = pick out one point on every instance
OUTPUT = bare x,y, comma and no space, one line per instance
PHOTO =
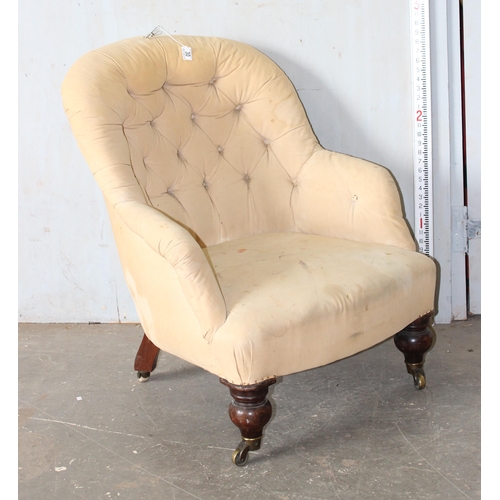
249,249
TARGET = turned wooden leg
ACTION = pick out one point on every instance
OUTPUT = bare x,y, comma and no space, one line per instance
145,359
250,412
414,341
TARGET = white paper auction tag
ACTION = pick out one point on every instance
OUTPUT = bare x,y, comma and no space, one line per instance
187,53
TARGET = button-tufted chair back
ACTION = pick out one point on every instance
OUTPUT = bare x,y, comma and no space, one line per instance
219,143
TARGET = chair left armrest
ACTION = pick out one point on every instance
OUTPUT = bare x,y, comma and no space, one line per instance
347,197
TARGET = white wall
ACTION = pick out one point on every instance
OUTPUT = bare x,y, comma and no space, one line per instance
349,60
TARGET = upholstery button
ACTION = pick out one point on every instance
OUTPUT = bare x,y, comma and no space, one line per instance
294,182
205,184
193,116
246,178
266,141
212,81
220,149
355,197
238,107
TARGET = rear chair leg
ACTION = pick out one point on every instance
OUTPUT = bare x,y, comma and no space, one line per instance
250,412
146,359
414,341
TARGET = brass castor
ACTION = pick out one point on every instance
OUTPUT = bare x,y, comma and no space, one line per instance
417,371
143,376
240,454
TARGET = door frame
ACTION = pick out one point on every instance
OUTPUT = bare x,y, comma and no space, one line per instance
448,164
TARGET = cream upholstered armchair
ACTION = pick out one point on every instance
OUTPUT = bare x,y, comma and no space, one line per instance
249,250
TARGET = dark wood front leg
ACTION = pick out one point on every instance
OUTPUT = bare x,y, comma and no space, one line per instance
146,359
414,341
250,412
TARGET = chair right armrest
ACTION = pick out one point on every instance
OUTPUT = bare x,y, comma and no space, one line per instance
176,245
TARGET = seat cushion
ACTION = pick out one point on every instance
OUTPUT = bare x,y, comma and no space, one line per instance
298,301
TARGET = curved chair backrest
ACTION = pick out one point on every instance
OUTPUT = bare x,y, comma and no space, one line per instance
213,152
218,143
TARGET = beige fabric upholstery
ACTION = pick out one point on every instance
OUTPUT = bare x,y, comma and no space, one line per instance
249,249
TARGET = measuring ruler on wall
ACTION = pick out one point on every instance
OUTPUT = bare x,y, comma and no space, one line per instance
422,136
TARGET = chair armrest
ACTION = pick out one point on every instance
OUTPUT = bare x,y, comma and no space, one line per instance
176,245
346,197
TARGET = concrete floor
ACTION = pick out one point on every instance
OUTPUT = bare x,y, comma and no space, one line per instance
355,429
